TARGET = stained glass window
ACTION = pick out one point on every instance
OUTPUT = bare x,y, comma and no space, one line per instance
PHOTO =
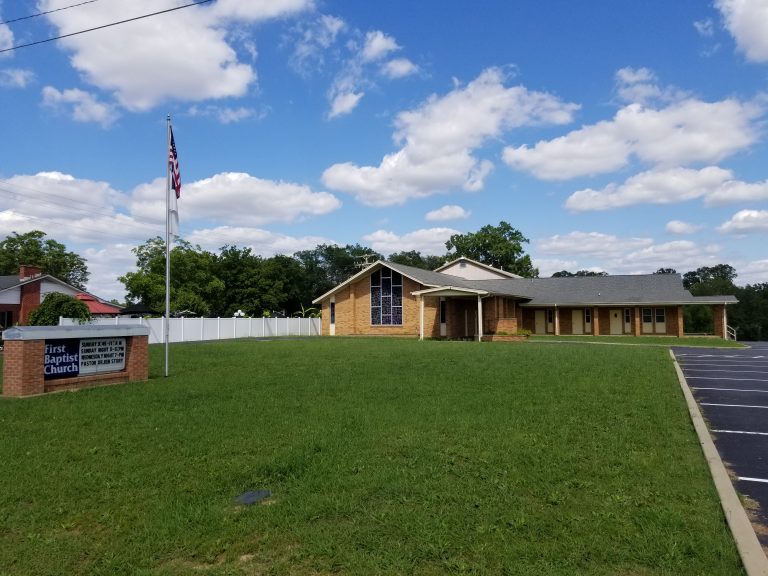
386,297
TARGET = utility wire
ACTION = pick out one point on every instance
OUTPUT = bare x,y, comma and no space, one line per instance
103,26
47,12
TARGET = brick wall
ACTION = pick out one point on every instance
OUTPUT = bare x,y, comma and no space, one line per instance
29,300
23,368
353,312
718,314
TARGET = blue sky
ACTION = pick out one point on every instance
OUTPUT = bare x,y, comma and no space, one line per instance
616,135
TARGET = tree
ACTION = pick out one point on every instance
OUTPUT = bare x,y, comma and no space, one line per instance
498,246
34,249
666,271
56,304
709,280
706,281
415,259
328,265
194,284
750,315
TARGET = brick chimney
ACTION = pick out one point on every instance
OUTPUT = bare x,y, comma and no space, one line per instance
30,293
27,271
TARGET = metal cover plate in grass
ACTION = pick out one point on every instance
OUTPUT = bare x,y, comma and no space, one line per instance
252,497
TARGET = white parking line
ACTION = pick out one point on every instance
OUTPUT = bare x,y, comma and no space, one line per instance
718,378
760,364
729,389
739,432
724,370
747,479
739,356
733,405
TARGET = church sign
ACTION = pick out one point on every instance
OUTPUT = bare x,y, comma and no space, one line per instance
77,357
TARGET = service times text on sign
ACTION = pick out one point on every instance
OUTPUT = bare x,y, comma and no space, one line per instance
102,355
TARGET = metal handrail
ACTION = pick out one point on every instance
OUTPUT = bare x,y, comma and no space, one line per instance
730,333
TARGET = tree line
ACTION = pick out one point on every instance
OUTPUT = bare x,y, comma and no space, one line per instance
235,279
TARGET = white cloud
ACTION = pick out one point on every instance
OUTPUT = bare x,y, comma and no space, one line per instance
680,254
261,242
85,107
747,21
225,114
6,39
705,28
258,10
438,139
746,222
753,272
616,255
684,132
399,68
377,46
428,241
16,77
680,227
590,244
184,56
235,199
548,266
733,191
313,39
344,103
81,214
715,185
105,265
637,85
448,212
653,187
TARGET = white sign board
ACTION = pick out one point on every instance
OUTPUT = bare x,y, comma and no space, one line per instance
101,355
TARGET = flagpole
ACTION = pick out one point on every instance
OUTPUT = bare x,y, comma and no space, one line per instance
167,240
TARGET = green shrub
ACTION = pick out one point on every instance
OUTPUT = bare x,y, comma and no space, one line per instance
55,305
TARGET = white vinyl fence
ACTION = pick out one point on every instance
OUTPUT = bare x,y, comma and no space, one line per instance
199,329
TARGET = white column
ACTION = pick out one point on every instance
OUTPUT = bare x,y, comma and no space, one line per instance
479,318
421,317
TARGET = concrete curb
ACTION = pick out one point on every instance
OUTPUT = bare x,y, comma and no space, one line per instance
750,550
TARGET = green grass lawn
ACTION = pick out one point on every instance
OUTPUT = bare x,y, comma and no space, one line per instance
383,457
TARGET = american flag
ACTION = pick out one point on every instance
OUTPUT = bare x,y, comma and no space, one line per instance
173,161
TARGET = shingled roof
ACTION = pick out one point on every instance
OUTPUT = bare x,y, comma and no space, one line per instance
569,291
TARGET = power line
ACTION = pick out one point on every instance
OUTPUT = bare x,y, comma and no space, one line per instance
103,26
47,12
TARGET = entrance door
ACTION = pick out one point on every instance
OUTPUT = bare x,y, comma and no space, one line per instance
578,321
617,321
540,326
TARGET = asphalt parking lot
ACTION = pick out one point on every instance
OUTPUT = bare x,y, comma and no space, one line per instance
731,388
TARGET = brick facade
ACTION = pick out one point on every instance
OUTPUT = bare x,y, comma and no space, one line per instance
353,312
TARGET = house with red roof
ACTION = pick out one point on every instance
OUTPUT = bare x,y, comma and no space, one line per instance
22,293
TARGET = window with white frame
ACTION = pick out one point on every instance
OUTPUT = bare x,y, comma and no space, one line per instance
386,297
587,315
660,315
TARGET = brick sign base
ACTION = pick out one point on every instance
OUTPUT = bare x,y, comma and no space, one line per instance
24,358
